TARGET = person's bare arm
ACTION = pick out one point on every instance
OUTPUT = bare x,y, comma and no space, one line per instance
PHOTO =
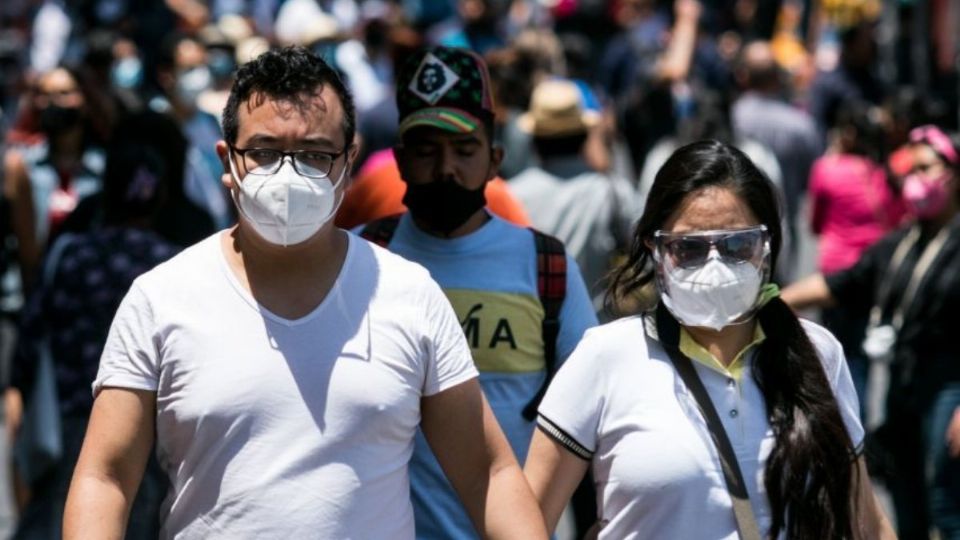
674,64
192,13
554,474
811,291
115,451
17,190
872,523
477,459
953,434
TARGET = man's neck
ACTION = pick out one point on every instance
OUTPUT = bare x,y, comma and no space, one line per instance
181,112
566,165
471,225
289,281
724,344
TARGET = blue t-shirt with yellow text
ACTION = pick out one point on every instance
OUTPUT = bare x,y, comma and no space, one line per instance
490,278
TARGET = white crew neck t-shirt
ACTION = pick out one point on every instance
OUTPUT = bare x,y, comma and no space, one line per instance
276,428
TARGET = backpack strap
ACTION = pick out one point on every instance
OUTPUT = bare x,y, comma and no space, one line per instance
380,231
552,288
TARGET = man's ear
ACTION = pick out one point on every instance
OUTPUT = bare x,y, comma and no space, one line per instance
496,158
353,151
351,165
223,152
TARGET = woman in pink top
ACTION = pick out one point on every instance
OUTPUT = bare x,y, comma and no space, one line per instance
852,206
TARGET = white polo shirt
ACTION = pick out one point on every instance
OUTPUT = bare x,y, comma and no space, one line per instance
619,402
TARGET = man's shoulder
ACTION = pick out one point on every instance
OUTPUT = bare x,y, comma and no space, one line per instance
392,268
533,179
185,268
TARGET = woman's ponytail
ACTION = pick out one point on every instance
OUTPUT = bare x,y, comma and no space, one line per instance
809,475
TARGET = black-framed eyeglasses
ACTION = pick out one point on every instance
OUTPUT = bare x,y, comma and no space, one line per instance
267,161
692,249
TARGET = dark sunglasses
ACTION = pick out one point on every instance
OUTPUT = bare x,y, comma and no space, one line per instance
687,250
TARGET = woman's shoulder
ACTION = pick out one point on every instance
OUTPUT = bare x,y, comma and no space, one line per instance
616,333
826,344
620,340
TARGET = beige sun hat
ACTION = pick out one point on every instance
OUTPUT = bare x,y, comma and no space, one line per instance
250,48
556,109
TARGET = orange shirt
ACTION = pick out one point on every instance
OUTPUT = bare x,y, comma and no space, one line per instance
377,191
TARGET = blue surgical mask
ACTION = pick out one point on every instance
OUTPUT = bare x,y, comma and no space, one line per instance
191,83
127,73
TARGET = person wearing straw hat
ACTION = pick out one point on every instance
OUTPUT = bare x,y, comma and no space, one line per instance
590,211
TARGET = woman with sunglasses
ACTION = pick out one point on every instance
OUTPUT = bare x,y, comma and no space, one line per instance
774,393
908,284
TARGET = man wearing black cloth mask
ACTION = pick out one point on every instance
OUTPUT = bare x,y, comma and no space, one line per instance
446,154
487,267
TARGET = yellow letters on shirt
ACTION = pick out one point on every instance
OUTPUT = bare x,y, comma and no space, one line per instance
502,329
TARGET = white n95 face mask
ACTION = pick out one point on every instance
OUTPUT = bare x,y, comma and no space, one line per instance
714,295
286,208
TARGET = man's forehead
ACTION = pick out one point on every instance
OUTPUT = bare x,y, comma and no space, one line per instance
317,115
322,101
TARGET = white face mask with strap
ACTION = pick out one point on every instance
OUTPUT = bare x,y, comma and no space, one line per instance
286,208
714,295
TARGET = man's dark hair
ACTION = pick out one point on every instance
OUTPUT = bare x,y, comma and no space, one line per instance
286,74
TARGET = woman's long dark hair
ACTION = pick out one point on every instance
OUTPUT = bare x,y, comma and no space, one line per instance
809,475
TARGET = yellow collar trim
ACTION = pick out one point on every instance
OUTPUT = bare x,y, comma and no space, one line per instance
697,352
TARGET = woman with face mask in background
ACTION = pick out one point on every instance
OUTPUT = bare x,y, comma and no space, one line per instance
909,287
716,356
46,182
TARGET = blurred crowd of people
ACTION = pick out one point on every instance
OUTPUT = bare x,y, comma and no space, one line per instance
110,112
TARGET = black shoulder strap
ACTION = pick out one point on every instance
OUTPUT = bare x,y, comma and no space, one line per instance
380,231
668,332
552,289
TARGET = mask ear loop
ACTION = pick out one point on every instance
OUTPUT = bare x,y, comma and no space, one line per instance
765,277
768,291
343,192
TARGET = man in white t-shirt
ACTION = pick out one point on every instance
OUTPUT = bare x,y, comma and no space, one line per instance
283,367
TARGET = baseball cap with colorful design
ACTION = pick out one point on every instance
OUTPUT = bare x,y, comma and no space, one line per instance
446,88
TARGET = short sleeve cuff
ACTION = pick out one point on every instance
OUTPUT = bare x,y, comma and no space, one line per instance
130,382
556,433
462,377
835,282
